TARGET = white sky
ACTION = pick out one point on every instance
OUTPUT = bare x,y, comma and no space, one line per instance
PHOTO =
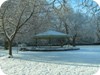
98,2
1,1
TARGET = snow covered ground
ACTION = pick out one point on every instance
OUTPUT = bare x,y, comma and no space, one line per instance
85,61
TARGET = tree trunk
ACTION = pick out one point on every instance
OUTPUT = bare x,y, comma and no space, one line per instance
10,49
5,44
36,44
66,28
74,40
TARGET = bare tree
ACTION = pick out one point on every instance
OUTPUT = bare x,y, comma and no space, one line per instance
10,33
62,12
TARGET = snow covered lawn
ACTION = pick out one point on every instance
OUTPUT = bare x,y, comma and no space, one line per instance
23,67
81,62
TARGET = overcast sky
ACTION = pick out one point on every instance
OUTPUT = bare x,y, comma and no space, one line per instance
1,1
98,1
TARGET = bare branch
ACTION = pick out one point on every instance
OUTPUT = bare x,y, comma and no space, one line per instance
11,22
21,16
27,19
3,23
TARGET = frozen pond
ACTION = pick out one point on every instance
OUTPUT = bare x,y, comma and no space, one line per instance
86,54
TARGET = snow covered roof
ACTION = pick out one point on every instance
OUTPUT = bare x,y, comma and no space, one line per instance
51,34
